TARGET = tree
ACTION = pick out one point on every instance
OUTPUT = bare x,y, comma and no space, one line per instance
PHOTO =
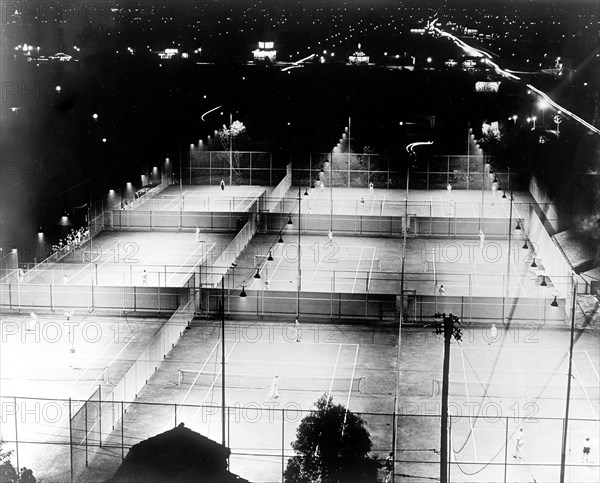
227,135
8,473
332,445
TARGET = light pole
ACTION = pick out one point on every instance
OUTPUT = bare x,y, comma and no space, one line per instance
230,150
563,452
299,249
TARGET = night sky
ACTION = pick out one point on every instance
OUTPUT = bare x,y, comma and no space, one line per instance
54,157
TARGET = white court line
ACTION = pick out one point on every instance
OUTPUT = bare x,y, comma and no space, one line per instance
90,265
462,356
337,358
351,382
214,380
474,210
201,246
357,268
512,263
442,204
371,271
317,269
592,364
373,205
475,272
200,372
585,392
383,205
182,196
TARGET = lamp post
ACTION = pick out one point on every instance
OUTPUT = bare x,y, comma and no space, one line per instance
563,452
299,250
223,361
230,150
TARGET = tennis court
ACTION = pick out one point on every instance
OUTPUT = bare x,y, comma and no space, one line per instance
499,385
422,203
354,364
53,358
347,264
199,198
129,258
464,266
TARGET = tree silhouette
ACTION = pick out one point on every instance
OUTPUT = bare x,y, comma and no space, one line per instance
10,474
332,445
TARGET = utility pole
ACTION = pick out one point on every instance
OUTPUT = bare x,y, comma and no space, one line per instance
450,327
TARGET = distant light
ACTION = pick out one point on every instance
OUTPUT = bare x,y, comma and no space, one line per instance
129,184
58,88
103,140
514,117
111,192
95,116
543,104
401,123
14,250
429,59
585,83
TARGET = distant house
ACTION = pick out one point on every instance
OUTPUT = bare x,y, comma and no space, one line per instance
265,52
179,455
358,57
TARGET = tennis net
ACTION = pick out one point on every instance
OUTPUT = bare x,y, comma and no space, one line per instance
292,383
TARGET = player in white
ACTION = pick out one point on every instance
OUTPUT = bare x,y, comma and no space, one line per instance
298,330
371,188
449,189
145,278
197,234
519,445
441,290
274,391
32,321
330,236
481,239
493,334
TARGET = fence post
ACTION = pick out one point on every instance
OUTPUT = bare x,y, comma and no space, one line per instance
505,448
175,408
85,413
71,439
100,412
16,433
282,444
122,430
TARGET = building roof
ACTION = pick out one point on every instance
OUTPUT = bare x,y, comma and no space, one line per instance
178,455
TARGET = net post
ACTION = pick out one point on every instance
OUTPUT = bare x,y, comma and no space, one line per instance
179,377
175,414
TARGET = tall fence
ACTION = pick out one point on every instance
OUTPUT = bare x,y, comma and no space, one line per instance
233,167
357,170
232,252
102,431
277,196
542,197
17,297
174,220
